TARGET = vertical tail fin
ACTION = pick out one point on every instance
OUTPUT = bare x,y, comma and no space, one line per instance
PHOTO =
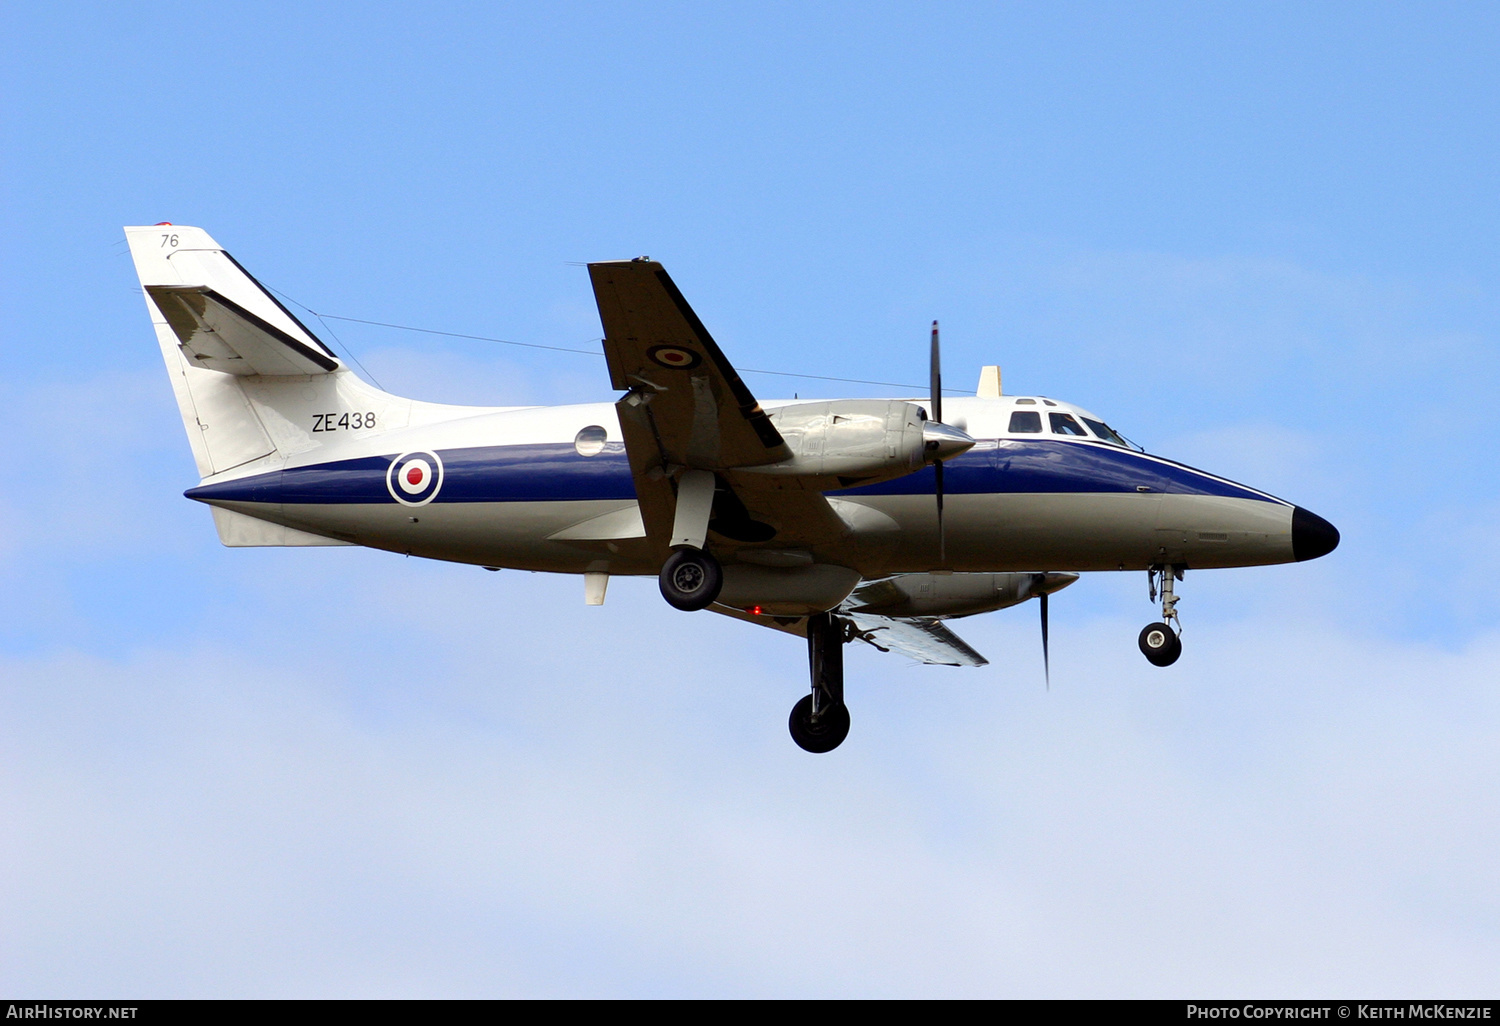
216,324
251,379
254,386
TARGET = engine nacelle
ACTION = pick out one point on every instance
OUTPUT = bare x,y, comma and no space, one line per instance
847,442
787,591
943,595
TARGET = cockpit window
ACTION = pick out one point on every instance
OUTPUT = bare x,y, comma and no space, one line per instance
1064,424
1104,431
1025,422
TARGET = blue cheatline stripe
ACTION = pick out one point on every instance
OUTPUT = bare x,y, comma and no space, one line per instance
498,473
555,472
1046,467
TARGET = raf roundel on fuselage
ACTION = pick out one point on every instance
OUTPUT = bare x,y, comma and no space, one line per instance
414,478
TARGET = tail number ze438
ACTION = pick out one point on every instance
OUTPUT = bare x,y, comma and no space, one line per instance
342,421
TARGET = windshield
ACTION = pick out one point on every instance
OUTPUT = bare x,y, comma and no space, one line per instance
1064,424
1105,432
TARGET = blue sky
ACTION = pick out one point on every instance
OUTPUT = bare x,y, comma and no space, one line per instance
1261,238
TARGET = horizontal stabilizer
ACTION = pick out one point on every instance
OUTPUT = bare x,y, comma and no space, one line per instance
236,530
221,335
221,317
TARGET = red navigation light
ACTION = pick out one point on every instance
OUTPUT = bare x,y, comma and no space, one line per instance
755,610
163,224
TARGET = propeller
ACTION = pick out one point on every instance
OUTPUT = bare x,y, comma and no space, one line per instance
936,373
1042,586
1046,660
940,442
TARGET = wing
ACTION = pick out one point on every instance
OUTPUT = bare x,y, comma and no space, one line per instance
686,407
704,415
219,334
921,638
924,639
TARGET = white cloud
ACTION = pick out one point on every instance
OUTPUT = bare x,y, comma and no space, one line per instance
586,801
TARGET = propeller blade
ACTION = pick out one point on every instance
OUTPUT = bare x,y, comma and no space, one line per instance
937,472
1046,659
935,369
937,377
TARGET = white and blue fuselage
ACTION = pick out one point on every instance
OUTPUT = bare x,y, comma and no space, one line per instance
507,486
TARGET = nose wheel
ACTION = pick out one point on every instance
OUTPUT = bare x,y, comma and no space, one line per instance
1161,643
820,721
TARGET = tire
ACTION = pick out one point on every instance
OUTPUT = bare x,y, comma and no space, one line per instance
824,736
1160,644
690,579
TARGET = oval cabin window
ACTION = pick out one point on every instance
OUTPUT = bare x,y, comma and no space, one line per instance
590,441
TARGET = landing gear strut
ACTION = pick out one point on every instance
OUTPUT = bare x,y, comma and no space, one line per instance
1161,643
820,721
691,578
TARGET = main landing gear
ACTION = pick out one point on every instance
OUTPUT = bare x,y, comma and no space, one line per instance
690,579
1160,643
820,721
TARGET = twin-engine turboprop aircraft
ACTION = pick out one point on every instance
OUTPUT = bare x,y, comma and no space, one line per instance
836,520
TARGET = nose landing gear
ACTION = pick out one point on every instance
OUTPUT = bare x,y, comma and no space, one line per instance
820,721
1160,643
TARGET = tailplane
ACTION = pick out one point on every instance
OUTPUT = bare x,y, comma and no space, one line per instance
223,318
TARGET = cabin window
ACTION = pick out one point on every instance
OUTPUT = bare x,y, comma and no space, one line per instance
1064,424
1104,431
590,441
1026,422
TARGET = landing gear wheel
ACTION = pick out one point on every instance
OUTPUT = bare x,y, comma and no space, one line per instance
690,579
825,735
1160,644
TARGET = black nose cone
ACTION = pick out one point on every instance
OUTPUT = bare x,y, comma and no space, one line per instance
1312,536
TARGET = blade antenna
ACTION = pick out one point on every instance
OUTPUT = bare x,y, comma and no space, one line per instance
936,375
